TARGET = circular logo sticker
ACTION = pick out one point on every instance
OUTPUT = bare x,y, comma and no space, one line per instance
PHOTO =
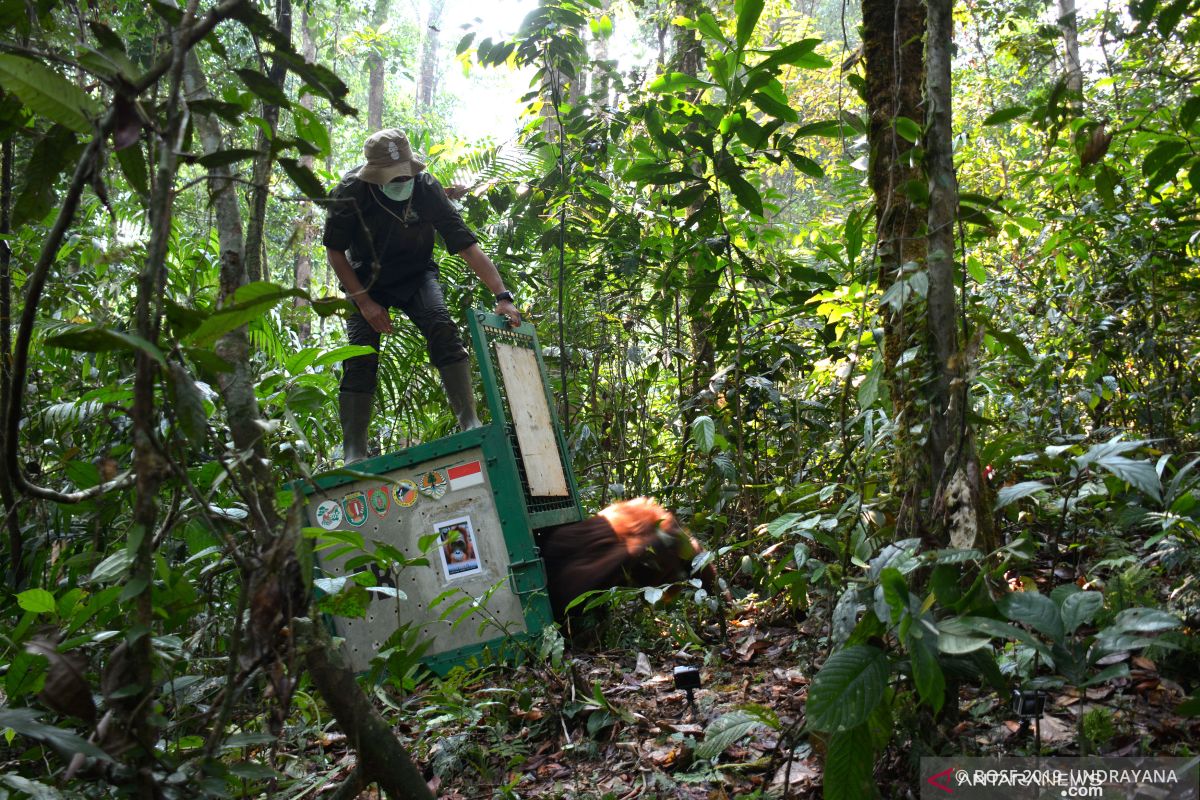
433,484
380,500
406,493
329,514
355,506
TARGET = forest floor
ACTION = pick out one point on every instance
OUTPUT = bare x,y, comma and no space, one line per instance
610,724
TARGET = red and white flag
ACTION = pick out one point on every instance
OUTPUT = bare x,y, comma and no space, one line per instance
464,475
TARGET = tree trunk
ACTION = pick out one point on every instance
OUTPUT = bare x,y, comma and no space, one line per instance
261,188
16,540
307,221
375,64
892,34
427,80
962,504
1070,33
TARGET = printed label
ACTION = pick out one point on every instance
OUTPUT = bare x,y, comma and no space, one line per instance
457,548
433,484
380,500
406,493
329,514
355,506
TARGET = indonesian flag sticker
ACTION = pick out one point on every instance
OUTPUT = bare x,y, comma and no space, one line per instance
464,475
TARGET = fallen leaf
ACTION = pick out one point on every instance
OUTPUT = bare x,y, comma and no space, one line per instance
643,667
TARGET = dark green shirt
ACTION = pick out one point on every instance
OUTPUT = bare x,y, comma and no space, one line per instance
372,229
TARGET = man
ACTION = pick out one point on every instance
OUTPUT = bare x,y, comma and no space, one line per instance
379,235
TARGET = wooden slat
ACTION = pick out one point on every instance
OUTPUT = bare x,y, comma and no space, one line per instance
531,417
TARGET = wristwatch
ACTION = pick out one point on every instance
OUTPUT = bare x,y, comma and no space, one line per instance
506,295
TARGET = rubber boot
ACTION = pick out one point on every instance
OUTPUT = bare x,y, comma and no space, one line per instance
456,378
354,410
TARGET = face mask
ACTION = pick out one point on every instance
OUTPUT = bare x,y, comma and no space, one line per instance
398,191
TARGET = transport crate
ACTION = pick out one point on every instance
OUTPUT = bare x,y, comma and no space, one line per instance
468,503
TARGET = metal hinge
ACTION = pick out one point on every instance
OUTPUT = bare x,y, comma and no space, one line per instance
527,577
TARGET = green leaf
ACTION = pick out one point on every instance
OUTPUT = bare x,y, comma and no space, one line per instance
47,93
724,731
189,404
672,82
955,638
1004,115
771,105
1144,620
341,354
25,722
707,24
303,177
868,390
793,53
223,158
263,87
1010,494
847,689
849,766
98,339
704,431
927,672
35,790
747,196
114,567
1035,610
908,128
748,12
39,601
1139,474
1013,344
1079,608
53,154
805,165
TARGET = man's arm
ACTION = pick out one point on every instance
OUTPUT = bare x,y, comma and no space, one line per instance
483,267
376,315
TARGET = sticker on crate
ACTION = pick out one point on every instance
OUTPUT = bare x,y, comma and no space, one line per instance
433,484
406,493
380,500
456,544
464,475
355,506
329,514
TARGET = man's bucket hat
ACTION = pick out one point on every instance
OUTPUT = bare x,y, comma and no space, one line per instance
389,155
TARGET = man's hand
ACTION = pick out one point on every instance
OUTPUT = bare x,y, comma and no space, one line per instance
376,315
506,308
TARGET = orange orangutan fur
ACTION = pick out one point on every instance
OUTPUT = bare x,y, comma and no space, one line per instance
631,543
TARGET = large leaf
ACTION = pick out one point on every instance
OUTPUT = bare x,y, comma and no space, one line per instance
1141,475
98,339
747,196
790,54
1035,610
39,601
47,93
748,12
670,82
1010,494
704,431
1144,620
25,722
847,689
849,764
724,731
927,672
1079,608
